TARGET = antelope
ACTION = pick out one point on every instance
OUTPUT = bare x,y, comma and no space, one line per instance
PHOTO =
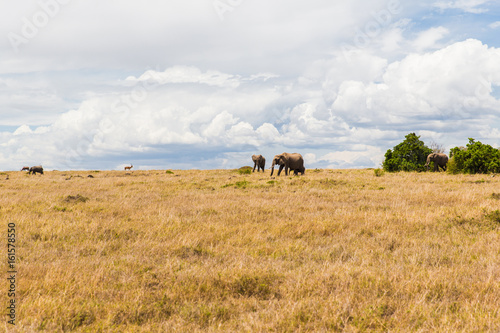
129,167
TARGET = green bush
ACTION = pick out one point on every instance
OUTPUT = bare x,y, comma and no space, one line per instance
409,155
475,158
451,167
246,170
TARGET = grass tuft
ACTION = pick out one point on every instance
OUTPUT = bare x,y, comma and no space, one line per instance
494,216
242,184
259,286
76,198
495,196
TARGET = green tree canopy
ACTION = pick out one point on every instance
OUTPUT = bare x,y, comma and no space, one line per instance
409,155
476,158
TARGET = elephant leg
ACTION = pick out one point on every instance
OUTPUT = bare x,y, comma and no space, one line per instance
281,168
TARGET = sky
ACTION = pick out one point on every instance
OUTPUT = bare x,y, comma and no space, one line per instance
205,84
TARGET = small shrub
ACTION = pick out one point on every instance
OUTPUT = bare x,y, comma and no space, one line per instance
192,251
169,172
246,170
494,216
378,172
81,318
495,196
451,167
262,287
76,198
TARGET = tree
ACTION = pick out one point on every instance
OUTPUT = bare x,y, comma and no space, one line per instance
476,158
409,155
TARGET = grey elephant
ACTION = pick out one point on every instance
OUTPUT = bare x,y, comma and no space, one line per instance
259,162
439,160
36,169
290,162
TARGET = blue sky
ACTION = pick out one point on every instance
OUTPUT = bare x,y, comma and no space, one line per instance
207,83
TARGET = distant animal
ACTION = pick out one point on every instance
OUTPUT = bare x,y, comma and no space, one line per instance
290,162
25,168
439,160
259,162
129,167
35,169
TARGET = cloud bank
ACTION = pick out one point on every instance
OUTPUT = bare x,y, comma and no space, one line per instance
339,98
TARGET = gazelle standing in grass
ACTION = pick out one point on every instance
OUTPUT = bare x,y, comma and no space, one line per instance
129,167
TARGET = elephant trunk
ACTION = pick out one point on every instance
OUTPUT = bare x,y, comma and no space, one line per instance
427,164
272,169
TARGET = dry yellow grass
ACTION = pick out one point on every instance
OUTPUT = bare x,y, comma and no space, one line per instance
209,251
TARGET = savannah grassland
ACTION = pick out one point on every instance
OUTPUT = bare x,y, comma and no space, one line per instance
216,250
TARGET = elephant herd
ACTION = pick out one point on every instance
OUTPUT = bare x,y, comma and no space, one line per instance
295,162
290,162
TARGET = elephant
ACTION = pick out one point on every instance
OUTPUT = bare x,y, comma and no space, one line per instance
439,160
291,162
25,168
36,169
259,162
